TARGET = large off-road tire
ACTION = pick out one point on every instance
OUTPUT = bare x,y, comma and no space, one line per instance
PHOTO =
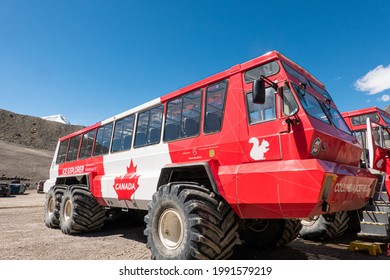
80,211
322,228
269,233
52,206
187,221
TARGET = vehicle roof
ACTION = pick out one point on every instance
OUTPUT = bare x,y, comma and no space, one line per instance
265,58
364,111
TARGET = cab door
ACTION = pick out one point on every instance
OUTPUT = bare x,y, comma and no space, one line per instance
260,138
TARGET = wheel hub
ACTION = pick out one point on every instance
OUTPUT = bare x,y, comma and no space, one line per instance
259,225
50,208
68,210
171,229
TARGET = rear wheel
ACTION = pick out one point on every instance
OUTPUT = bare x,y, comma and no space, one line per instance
80,211
52,206
187,221
325,227
269,233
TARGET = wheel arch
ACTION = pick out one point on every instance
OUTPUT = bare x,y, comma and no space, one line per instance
200,172
82,179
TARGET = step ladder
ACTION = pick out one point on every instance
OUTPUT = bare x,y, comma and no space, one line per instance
375,220
372,247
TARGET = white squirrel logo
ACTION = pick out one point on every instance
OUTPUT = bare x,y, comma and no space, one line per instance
257,152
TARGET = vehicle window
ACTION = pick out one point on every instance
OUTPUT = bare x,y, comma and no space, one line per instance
290,105
386,138
361,137
359,120
386,119
294,73
102,141
261,112
320,90
338,120
86,144
265,70
311,104
376,135
123,134
148,130
215,97
73,148
62,151
183,116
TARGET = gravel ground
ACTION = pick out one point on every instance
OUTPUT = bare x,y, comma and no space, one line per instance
24,236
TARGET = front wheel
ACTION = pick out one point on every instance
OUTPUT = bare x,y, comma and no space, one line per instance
324,227
187,221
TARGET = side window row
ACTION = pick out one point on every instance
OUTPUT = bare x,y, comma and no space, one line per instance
182,120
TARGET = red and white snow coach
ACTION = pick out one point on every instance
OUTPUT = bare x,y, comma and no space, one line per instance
243,154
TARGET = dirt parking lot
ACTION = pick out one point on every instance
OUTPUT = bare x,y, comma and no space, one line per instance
24,236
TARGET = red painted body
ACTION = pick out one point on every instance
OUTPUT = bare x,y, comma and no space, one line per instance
271,169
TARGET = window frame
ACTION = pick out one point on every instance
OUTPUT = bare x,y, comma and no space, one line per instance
96,139
82,141
275,111
161,107
206,103
133,116
63,154
262,66
72,148
180,125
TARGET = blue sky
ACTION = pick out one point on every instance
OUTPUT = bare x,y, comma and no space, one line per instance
90,60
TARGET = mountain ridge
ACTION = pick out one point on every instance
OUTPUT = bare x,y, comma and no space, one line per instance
27,145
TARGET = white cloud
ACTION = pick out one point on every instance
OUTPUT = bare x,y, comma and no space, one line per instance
384,98
375,81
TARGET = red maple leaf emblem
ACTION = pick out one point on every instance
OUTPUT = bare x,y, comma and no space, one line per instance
126,185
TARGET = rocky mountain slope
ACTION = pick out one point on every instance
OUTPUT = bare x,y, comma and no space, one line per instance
27,145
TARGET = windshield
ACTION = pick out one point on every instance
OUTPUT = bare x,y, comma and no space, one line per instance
338,120
321,110
303,79
320,90
359,120
311,104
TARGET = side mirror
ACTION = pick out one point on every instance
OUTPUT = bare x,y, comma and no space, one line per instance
258,91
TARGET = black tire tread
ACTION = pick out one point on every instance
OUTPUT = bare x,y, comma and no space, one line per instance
324,230
207,215
87,214
56,193
290,232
